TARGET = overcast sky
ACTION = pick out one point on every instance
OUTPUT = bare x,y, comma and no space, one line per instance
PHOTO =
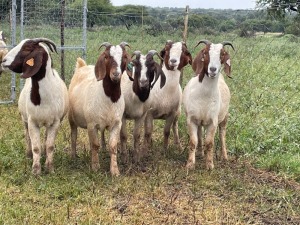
216,4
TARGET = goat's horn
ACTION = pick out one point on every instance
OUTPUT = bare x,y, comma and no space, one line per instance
137,54
203,41
154,52
228,43
48,42
124,44
106,44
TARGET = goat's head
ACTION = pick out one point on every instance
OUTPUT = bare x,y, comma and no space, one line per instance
146,70
175,55
210,58
113,62
28,57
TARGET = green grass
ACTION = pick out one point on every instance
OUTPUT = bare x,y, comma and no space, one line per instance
257,186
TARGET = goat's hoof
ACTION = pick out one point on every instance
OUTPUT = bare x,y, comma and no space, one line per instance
210,166
115,172
190,165
95,167
36,169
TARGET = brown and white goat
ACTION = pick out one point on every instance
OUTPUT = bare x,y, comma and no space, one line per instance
166,102
3,50
206,100
96,101
136,94
43,100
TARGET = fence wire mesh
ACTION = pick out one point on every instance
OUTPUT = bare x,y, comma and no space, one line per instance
265,85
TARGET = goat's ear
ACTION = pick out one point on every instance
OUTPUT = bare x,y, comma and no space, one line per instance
198,65
159,72
162,55
227,64
32,63
100,67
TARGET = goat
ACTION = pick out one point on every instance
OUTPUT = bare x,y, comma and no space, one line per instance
3,50
96,101
206,100
136,95
166,102
43,100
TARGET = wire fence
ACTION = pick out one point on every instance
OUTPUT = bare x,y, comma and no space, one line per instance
265,87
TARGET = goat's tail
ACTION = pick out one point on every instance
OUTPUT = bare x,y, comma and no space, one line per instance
80,63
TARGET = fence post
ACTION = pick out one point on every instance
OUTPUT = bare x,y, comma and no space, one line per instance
184,35
13,30
84,25
22,37
62,39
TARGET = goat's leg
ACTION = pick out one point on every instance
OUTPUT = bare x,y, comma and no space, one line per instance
103,144
222,135
123,138
176,134
113,144
50,139
136,139
200,145
34,134
73,139
148,129
167,128
193,144
28,142
94,146
209,146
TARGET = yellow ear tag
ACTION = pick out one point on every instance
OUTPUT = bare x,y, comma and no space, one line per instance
30,62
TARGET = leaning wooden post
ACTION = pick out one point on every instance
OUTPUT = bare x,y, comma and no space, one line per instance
184,35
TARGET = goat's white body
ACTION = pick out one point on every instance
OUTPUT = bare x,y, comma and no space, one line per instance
165,104
134,107
205,104
90,108
54,100
136,110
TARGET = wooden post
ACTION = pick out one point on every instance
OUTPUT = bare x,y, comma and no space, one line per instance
184,35
186,20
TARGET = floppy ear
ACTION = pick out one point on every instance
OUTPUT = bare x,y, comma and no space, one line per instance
227,65
159,72
32,63
100,67
198,65
162,55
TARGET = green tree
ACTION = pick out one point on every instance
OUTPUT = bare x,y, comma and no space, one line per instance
279,8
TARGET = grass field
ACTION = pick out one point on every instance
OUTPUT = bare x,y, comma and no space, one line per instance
259,184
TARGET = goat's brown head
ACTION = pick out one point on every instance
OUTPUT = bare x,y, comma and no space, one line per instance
175,55
29,57
113,62
210,58
146,73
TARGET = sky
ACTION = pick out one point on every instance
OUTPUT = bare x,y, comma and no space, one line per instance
206,4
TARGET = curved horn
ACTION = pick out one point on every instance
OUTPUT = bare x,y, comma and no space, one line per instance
228,43
137,54
154,52
124,44
203,41
48,42
106,44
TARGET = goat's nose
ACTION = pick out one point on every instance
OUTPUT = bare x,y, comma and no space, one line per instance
173,61
213,69
116,74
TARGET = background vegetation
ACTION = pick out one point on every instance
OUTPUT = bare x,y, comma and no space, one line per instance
259,184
